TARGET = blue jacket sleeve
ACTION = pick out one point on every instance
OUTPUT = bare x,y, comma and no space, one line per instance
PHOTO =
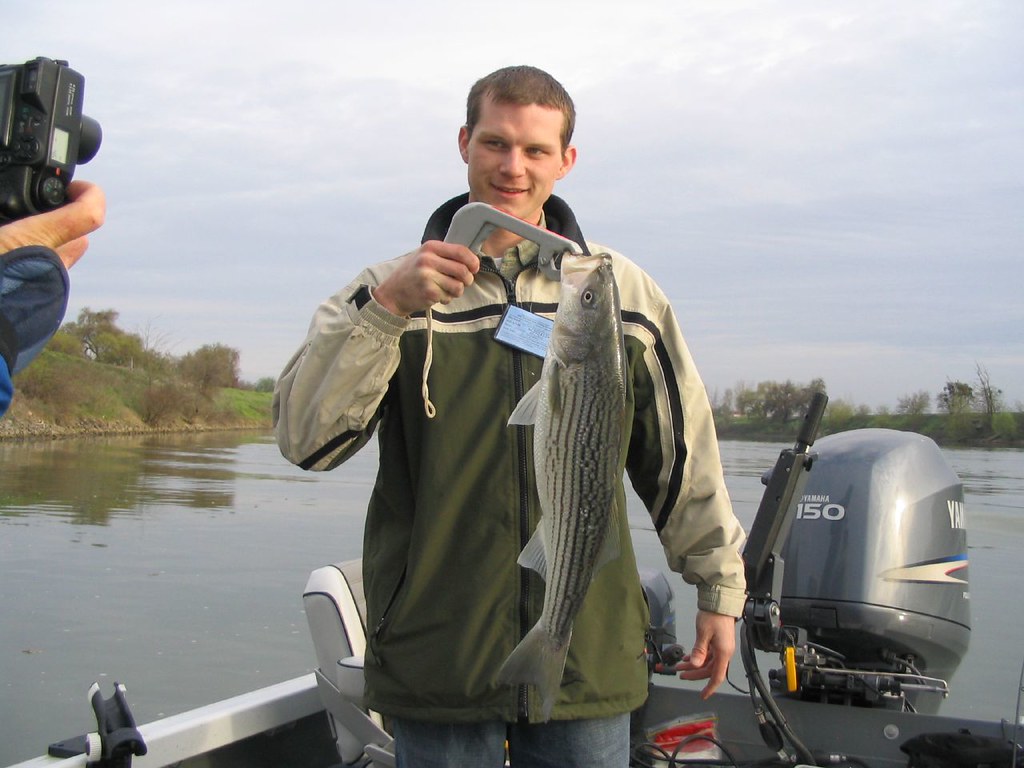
33,298
6,387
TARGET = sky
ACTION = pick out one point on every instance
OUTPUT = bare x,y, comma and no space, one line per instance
823,189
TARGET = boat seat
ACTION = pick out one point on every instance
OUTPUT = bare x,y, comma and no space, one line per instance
336,613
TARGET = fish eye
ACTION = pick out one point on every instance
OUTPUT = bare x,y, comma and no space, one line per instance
587,297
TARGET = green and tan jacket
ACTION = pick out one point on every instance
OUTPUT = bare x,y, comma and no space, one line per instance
455,500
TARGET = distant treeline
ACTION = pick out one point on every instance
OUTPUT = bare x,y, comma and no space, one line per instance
95,377
965,413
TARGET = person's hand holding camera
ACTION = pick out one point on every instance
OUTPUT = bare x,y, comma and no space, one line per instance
64,229
44,135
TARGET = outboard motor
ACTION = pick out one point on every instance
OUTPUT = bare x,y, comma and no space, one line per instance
876,573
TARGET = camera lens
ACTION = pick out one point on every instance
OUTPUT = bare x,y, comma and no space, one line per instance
89,139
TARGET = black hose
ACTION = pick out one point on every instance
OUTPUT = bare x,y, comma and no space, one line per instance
778,720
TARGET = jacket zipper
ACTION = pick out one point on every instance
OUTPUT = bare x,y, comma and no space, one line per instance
519,389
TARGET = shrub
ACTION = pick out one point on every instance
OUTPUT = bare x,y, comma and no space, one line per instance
1004,425
163,403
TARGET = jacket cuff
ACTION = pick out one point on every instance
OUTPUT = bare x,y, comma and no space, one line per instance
725,600
376,318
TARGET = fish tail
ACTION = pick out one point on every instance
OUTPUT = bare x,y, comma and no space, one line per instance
538,660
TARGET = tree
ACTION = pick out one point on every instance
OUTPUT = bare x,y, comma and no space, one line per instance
781,400
93,329
157,362
777,401
956,397
101,340
211,367
990,399
914,404
745,399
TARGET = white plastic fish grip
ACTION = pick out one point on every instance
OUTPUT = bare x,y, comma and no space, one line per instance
473,223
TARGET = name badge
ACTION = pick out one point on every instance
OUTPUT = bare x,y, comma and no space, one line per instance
524,331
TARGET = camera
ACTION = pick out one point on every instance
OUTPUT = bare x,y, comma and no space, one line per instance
43,135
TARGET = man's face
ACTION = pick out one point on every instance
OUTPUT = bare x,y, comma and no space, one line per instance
515,156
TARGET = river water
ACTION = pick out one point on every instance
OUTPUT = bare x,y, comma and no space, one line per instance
176,564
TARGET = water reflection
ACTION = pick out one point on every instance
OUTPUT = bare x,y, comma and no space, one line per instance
988,473
88,481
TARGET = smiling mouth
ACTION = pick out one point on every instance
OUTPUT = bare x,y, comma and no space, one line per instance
508,190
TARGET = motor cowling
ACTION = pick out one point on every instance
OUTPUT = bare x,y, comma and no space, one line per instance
876,562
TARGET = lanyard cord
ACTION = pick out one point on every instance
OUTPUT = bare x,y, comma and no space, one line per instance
428,406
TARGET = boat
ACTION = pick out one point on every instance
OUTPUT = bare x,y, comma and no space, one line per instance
857,575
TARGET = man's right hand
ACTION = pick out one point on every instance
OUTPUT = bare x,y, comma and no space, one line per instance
435,274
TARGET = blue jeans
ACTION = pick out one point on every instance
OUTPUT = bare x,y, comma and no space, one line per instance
601,743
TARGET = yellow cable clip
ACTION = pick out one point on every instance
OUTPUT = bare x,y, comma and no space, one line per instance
790,669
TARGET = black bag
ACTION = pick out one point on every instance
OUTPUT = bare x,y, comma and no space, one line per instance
958,750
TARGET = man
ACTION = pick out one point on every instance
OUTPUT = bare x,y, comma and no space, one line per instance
454,501
33,277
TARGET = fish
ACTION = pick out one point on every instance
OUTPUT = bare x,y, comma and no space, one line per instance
577,409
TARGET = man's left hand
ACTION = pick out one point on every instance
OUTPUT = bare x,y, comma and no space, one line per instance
713,648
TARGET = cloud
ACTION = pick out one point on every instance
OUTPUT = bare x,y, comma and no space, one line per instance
823,189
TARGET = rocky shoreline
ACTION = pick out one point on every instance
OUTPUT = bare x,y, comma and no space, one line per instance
13,429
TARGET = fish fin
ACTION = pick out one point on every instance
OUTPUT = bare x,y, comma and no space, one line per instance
535,553
538,660
525,412
610,549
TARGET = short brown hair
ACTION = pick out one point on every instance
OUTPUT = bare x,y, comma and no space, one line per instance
521,85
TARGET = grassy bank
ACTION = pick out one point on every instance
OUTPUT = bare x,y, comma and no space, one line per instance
64,395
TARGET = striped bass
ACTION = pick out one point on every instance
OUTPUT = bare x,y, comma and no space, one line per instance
577,410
